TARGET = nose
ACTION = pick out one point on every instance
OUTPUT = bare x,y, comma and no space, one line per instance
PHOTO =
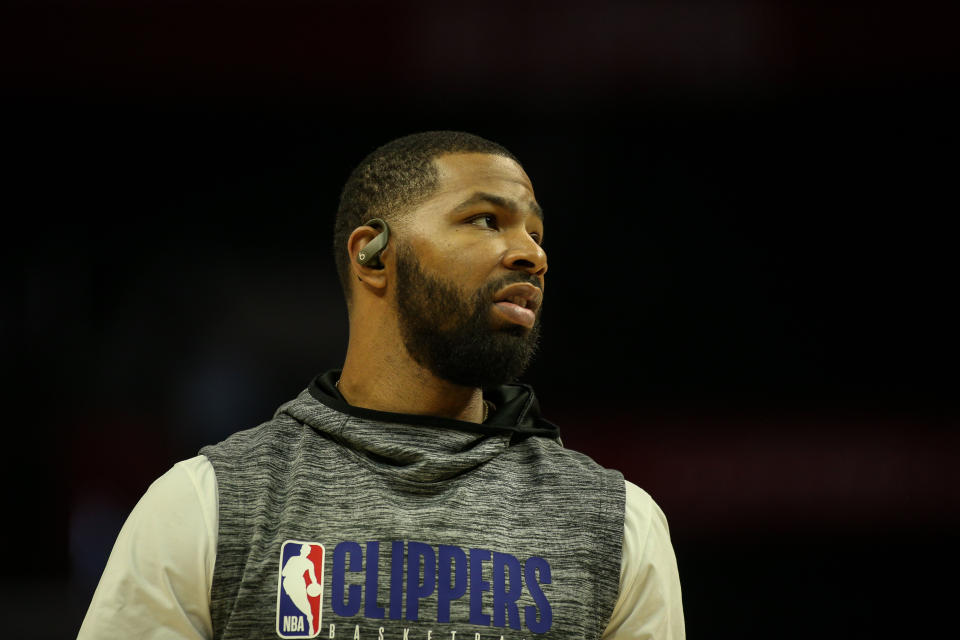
526,255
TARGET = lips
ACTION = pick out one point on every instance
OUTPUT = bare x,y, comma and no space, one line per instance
519,303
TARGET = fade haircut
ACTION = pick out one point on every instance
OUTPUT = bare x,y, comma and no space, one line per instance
395,178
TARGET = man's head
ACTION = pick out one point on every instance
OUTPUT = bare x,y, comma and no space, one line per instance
463,274
393,179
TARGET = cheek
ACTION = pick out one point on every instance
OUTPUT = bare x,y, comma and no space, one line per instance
467,262
462,264
470,276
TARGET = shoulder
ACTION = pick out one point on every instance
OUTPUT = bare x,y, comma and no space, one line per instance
571,458
646,533
650,603
642,515
159,572
573,474
181,501
189,487
246,444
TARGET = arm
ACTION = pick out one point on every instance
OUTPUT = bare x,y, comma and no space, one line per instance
649,606
157,581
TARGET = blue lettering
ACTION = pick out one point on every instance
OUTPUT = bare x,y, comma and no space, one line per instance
415,590
477,586
370,604
452,563
530,569
351,605
504,599
396,580
419,570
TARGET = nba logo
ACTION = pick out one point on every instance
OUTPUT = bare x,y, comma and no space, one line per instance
299,589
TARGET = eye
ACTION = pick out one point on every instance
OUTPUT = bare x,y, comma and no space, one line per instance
537,237
485,221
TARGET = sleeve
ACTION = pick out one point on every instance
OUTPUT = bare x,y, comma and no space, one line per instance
157,580
649,606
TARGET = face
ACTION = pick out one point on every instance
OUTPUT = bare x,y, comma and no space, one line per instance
470,272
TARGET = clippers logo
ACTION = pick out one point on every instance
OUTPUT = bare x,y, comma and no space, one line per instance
299,589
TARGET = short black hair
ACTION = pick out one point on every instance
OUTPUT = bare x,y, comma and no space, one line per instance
394,178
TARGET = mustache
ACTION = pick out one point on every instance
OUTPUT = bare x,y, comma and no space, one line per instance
514,278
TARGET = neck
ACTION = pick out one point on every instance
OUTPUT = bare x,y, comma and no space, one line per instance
397,384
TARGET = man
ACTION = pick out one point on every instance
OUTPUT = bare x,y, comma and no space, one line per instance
421,490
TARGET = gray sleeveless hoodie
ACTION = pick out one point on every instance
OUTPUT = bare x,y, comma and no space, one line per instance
345,523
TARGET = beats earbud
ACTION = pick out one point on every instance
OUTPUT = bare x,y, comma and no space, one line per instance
369,256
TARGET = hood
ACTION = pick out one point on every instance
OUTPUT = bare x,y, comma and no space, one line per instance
416,447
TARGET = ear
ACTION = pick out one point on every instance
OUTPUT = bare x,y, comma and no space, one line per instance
375,277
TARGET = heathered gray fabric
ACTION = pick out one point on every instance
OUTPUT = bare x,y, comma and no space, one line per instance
318,475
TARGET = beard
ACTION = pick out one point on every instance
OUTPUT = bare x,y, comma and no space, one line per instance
452,334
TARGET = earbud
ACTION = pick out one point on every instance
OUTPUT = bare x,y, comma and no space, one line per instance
369,256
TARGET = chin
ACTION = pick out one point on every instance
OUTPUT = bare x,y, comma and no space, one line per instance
502,326
517,330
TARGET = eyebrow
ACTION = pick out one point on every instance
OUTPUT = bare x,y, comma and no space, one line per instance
497,201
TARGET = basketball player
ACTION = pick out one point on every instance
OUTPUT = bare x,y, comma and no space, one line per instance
445,502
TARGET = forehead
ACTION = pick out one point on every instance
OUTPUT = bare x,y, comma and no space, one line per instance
461,169
462,175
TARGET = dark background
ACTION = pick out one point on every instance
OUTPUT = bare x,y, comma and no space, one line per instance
750,224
